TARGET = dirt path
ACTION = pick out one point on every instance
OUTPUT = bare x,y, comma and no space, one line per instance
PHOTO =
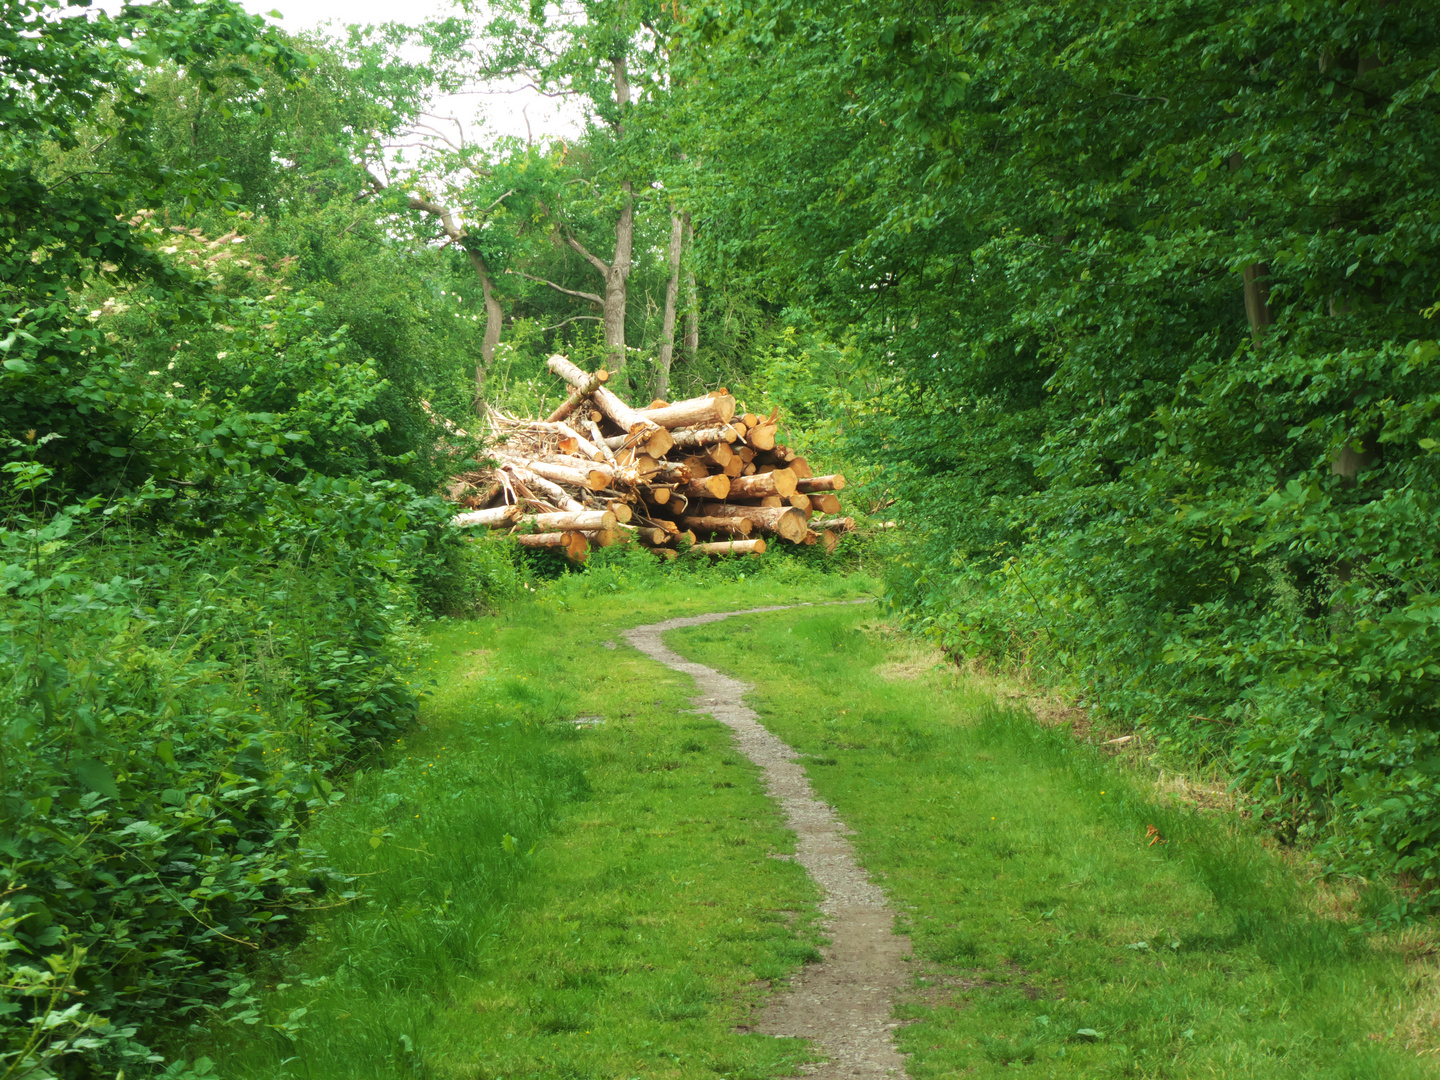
846,1002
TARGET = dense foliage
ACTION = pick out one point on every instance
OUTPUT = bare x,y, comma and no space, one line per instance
1134,303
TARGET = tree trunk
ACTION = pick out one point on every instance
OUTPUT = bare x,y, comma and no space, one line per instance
494,321
692,298
672,296
616,282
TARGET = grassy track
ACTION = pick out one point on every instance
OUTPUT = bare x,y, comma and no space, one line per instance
544,900
551,901
1050,933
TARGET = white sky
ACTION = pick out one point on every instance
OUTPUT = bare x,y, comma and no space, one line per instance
499,113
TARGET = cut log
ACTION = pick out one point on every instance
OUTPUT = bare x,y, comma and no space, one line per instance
833,482
606,537
657,495
583,521
762,437
575,376
572,544
734,467
777,482
708,436
494,517
839,525
710,487
666,554
801,468
696,412
621,510
631,421
731,547
800,502
720,455
783,521
745,453
810,538
825,502
600,444
728,525
829,541
664,524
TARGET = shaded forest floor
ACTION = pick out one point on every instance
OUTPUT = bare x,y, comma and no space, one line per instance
568,874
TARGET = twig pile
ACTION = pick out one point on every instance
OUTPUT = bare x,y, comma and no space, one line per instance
598,472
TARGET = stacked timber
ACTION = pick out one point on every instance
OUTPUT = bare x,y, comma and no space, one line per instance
696,474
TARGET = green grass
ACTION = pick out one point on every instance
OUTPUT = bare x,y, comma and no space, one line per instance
542,900
1051,936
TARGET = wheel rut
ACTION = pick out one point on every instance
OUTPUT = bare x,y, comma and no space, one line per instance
844,1004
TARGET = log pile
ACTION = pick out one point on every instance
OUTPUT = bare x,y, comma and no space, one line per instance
672,475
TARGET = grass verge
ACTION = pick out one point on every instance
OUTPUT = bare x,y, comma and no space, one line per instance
1064,920
541,898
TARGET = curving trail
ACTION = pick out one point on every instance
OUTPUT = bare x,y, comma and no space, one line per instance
845,1004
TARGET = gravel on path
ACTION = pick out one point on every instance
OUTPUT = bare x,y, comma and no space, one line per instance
846,1003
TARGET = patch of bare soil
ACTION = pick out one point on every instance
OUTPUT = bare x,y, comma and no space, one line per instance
845,1004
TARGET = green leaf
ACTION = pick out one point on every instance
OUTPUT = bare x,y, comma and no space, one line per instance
97,778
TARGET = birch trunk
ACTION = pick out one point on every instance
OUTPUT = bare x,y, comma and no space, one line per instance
672,296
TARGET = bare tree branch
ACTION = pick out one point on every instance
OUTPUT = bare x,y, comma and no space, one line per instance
599,264
559,288
573,318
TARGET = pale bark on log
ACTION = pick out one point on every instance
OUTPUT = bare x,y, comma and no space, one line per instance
730,526
844,524
783,521
696,437
579,521
493,518
833,482
708,411
731,547
600,443
777,482
575,376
